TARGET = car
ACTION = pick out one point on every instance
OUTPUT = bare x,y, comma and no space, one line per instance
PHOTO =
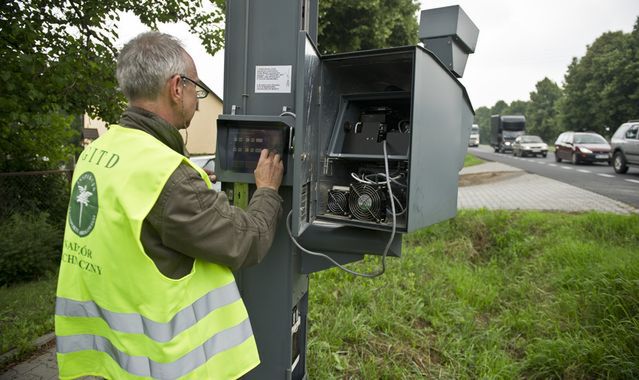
625,146
208,164
578,147
529,145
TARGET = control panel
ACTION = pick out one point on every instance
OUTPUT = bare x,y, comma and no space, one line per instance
241,140
246,143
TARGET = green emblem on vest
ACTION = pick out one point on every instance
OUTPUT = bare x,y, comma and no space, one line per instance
83,206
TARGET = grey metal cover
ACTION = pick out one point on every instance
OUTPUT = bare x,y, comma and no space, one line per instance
306,133
450,34
442,115
449,21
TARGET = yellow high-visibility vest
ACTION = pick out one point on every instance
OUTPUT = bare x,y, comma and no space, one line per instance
117,316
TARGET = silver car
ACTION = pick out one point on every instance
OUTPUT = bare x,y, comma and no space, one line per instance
208,164
529,145
625,146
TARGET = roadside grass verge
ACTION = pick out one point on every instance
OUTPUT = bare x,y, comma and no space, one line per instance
471,160
489,294
26,313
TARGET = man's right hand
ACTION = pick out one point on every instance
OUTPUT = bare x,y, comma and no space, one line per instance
269,170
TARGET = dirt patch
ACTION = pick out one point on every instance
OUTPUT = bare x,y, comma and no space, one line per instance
489,177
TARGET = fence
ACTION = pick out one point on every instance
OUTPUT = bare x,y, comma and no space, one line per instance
35,192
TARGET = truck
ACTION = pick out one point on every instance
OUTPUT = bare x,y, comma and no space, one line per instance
474,135
504,129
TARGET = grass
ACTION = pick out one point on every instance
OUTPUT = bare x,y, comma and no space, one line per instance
26,313
471,160
487,295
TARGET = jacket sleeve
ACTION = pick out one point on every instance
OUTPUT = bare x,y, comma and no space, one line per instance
200,223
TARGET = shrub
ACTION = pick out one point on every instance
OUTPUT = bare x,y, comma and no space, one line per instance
30,247
31,194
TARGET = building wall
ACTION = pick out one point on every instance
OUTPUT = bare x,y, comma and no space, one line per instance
202,133
94,124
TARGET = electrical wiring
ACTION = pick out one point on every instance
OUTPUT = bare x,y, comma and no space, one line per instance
403,211
355,177
388,244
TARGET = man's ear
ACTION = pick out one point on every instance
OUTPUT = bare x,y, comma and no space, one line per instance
176,88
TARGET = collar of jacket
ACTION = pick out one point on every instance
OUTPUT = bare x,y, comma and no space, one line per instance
139,118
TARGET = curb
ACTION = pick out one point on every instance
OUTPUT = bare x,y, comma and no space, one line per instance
37,344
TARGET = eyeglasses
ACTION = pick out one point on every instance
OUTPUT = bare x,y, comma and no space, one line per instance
201,91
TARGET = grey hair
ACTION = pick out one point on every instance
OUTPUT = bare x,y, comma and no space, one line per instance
147,61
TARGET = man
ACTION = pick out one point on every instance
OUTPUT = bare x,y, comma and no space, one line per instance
145,286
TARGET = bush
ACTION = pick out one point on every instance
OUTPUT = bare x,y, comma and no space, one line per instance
30,247
32,194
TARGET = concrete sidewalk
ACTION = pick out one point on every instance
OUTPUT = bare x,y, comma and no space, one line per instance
519,190
498,186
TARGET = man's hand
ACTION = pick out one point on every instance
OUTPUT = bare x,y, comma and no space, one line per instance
269,170
211,175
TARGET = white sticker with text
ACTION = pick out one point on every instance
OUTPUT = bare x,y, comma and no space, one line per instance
273,79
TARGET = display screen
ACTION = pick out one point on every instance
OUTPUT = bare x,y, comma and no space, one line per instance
245,144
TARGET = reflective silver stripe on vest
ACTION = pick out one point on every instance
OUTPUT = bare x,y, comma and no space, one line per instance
137,324
144,366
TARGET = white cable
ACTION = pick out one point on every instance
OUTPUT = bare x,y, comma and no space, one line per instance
288,113
403,209
355,177
386,249
393,179
398,183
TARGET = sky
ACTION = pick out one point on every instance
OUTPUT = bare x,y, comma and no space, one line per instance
520,42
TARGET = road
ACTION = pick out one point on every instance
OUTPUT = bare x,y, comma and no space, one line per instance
598,178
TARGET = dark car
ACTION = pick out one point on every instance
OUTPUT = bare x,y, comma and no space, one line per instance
529,145
578,147
625,146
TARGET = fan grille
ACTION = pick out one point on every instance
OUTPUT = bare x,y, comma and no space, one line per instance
367,202
337,202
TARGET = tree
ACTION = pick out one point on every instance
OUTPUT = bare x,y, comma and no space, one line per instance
517,107
602,88
499,108
366,24
482,118
58,62
541,116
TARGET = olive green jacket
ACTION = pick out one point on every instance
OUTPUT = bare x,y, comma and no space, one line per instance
190,221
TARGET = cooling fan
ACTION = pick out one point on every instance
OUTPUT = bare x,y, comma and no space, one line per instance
338,202
367,202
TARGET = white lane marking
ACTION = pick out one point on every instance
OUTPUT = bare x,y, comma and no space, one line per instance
632,180
583,171
553,165
606,175
566,167
540,162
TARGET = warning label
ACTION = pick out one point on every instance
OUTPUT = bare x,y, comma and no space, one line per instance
273,79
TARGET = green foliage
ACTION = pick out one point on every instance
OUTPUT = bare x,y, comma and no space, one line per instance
602,87
601,91
471,160
541,116
366,24
58,62
487,295
30,248
34,194
26,313
517,107
482,118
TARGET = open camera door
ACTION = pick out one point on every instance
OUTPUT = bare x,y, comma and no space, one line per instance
306,134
